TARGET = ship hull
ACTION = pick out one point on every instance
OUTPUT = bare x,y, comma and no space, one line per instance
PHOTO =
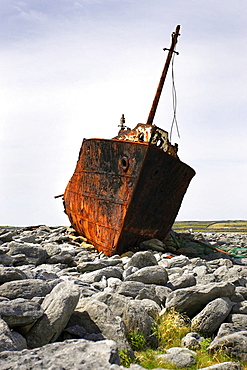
124,192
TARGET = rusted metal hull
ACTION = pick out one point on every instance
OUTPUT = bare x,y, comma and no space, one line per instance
124,192
130,188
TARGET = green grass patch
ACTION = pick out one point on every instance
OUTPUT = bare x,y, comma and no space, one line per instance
171,328
136,340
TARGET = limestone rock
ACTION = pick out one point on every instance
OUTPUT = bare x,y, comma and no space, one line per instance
238,319
151,307
192,341
103,319
58,307
116,302
229,328
150,275
184,281
107,272
97,265
6,260
242,290
6,340
63,257
130,288
10,274
9,339
234,345
224,366
113,284
52,249
136,318
7,236
162,292
240,307
20,312
178,261
27,288
18,340
149,292
78,354
178,356
142,259
34,254
209,319
193,299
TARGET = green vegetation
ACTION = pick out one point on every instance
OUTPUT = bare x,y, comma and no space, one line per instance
171,328
125,360
211,226
136,340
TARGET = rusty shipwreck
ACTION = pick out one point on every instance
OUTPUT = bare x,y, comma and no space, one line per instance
128,189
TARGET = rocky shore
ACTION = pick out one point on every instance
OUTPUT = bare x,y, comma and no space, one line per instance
65,306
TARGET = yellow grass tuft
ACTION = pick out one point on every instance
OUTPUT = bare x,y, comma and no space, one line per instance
172,327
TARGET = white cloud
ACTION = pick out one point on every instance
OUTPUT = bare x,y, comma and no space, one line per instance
70,69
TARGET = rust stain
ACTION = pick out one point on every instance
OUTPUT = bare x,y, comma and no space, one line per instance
123,192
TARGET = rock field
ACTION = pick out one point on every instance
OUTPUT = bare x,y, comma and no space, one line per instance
65,306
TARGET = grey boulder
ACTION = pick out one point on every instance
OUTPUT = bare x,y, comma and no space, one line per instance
106,272
6,340
178,356
142,259
58,306
130,288
240,307
150,275
20,312
10,274
193,299
209,319
75,354
229,365
97,317
97,265
137,319
34,254
116,302
151,307
179,282
234,345
27,288
7,236
238,319
192,341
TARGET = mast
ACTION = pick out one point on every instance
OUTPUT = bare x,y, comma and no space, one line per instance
163,76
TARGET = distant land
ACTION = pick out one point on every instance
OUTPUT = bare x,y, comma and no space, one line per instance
211,226
181,226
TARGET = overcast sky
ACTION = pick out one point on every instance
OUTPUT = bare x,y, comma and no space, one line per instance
69,69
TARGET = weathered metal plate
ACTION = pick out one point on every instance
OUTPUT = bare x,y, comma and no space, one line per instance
124,192
158,196
99,193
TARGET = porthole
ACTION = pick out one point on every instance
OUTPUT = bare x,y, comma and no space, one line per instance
124,163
